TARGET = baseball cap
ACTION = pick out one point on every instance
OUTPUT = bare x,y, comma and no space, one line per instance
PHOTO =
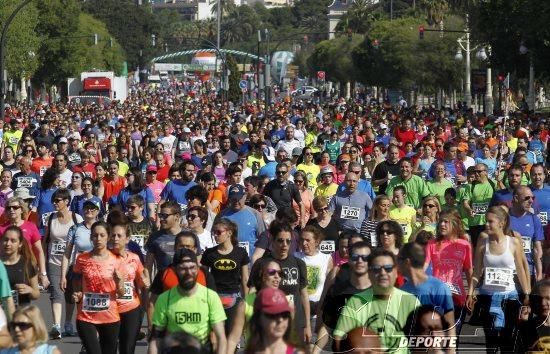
269,153
296,151
186,155
236,192
207,160
271,301
184,255
462,147
325,170
383,126
151,168
89,203
186,130
63,140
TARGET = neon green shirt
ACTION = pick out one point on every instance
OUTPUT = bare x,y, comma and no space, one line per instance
406,217
386,317
415,186
479,196
193,314
12,139
326,191
312,171
439,188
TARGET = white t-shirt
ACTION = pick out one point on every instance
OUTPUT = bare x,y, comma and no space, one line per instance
65,178
316,273
206,240
168,142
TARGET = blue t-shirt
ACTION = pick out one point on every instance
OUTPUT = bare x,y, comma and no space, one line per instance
363,185
530,229
250,225
161,245
542,203
175,190
122,198
502,196
491,165
268,170
432,292
44,206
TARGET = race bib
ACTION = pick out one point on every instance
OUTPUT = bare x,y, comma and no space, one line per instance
24,182
404,227
45,217
58,248
128,291
499,277
101,137
94,302
246,246
543,216
15,297
453,288
526,243
13,140
480,208
327,246
373,240
139,239
183,207
43,170
349,213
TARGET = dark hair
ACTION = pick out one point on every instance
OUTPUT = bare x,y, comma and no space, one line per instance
415,253
172,205
255,181
139,183
316,231
394,227
103,224
135,199
357,245
61,193
380,252
197,192
27,255
257,280
400,188
405,159
535,297
255,199
277,226
229,226
189,234
181,342
287,215
451,192
201,212
256,341
207,177
412,326
423,237
232,169
48,179
117,217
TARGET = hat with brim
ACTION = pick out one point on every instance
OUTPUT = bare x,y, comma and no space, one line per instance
88,204
271,301
236,192
23,193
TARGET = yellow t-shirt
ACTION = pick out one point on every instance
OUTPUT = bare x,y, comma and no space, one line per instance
406,217
312,171
12,139
326,191
251,159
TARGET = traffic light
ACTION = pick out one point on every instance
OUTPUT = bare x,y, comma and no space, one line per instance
500,78
421,32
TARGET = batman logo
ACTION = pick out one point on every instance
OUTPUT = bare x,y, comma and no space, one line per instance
225,264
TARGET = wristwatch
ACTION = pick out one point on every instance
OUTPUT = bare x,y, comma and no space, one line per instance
44,274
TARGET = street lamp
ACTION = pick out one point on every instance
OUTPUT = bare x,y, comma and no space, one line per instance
464,44
531,95
484,55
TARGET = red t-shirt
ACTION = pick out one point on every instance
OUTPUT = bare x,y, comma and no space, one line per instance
405,136
162,173
40,165
88,169
112,187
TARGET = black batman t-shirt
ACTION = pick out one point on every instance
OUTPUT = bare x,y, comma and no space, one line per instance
226,268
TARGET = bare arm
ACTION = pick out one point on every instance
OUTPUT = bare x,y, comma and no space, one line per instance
244,279
219,332
538,259
39,254
518,254
307,313
258,253
65,265
5,338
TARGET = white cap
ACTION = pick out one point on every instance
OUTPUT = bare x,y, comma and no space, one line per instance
383,126
186,130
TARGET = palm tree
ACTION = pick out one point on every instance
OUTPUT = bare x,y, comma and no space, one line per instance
236,27
435,10
226,5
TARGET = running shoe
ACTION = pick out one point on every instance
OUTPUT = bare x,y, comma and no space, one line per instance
69,331
55,333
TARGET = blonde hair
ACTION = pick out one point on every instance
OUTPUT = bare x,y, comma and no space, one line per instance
24,206
33,313
377,201
433,199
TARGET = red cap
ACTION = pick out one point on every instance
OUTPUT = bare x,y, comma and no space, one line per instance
151,168
271,301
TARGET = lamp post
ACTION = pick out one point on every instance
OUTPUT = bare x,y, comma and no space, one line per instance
464,44
531,93
484,55
2,51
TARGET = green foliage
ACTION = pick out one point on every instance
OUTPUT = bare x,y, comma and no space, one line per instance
330,56
401,60
234,94
57,25
131,24
22,40
101,56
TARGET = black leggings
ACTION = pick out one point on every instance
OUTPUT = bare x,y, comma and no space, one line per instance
98,338
130,323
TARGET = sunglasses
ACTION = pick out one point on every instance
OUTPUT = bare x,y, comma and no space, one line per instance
22,325
323,209
192,216
13,207
281,241
165,215
276,316
386,231
259,206
272,272
281,173
529,197
356,257
388,268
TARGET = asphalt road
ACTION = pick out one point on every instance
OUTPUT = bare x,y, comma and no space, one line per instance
471,339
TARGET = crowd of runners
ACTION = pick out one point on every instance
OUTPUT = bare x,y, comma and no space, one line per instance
206,226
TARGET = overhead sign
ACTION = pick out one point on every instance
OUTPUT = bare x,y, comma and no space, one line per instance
243,84
321,75
97,83
199,67
168,67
